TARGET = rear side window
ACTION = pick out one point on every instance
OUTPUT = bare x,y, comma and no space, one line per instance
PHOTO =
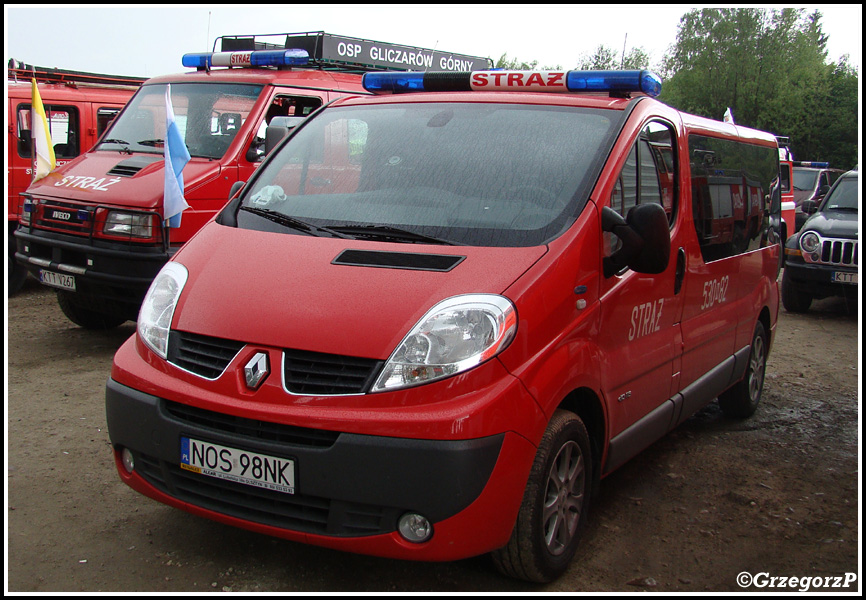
732,187
63,125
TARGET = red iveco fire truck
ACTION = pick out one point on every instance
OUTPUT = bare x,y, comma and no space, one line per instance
94,228
79,106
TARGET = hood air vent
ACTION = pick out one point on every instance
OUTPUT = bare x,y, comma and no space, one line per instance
131,166
398,260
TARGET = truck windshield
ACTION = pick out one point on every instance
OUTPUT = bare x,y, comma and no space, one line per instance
805,181
209,116
457,173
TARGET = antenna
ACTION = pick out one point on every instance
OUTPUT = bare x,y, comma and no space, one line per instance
622,62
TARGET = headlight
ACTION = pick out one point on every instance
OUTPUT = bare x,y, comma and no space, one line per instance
809,242
455,335
128,224
154,319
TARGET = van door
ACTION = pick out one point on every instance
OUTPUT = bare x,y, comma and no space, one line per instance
731,183
639,336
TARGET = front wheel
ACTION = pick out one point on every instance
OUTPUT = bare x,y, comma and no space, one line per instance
793,299
86,317
742,400
555,503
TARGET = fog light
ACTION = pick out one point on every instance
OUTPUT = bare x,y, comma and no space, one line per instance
415,528
128,462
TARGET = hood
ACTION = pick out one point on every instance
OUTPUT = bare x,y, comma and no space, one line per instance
802,196
291,291
117,179
833,224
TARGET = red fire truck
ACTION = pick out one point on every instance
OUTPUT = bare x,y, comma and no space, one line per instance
434,318
94,228
79,107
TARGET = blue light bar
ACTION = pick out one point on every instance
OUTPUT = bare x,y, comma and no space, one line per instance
816,165
645,82
258,58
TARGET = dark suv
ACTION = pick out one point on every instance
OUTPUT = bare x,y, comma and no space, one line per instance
812,180
821,259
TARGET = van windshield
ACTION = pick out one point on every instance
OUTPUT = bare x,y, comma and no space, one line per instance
209,116
459,173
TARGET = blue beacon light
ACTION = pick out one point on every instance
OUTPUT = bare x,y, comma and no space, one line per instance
643,81
258,58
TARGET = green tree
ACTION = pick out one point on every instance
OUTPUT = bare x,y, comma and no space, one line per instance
770,67
604,58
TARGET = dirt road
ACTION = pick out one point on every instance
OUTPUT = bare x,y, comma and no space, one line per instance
776,494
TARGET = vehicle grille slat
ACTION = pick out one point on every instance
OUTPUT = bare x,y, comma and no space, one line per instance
202,355
327,374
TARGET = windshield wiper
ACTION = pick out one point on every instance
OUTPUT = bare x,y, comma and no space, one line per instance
122,142
156,142
387,233
291,222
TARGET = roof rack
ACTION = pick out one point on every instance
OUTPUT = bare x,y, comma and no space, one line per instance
354,55
18,70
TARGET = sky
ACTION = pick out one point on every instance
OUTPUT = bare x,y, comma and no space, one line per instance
149,40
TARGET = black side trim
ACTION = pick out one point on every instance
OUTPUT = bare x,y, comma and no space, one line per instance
398,260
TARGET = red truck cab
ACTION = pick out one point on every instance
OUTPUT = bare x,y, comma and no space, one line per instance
79,107
436,317
94,228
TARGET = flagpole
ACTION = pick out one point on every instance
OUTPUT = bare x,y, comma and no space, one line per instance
32,137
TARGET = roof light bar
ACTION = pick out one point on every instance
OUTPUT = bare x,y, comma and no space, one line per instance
644,81
258,58
807,163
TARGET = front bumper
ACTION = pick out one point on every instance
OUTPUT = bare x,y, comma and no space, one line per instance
351,487
817,280
117,276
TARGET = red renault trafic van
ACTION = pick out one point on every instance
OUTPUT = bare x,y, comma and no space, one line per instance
434,319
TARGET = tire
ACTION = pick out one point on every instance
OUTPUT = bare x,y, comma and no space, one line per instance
17,273
17,277
555,504
742,399
793,299
85,317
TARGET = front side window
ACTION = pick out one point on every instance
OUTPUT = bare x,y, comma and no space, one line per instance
63,125
460,173
648,176
209,116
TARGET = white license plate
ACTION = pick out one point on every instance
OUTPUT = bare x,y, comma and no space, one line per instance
250,468
839,277
58,280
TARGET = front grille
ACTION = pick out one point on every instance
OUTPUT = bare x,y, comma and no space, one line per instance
202,355
64,217
296,512
251,428
839,252
315,373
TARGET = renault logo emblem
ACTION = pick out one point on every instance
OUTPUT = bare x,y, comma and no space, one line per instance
256,370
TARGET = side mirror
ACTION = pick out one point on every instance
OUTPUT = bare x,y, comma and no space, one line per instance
236,187
646,240
809,207
279,128
823,191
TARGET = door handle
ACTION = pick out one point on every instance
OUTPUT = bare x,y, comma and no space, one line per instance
681,271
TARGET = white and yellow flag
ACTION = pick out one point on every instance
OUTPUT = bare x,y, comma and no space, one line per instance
45,161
